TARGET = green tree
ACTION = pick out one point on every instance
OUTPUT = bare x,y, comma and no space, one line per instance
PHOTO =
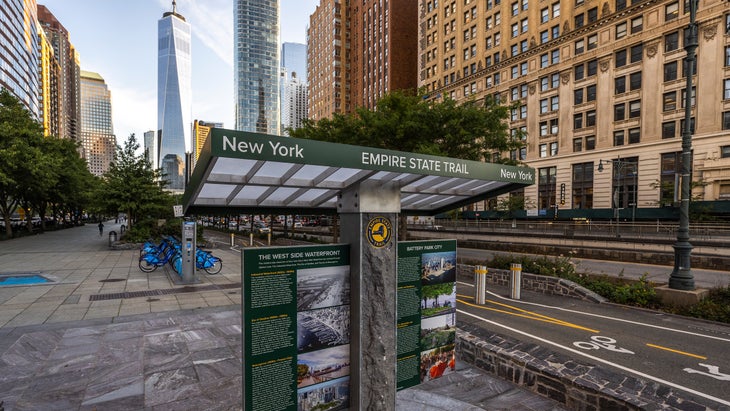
407,122
20,137
132,186
72,191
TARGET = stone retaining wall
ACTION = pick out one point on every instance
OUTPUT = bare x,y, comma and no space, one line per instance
533,282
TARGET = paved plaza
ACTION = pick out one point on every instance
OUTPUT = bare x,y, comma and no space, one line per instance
103,335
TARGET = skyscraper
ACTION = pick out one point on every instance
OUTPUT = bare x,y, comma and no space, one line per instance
256,60
328,59
150,148
97,133
293,85
174,96
18,52
65,53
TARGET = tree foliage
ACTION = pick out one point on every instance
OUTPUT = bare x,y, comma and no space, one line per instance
407,122
132,186
37,171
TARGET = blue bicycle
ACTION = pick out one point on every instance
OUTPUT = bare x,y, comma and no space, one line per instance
152,257
203,261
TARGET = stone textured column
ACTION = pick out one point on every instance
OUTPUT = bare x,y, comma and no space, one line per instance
373,293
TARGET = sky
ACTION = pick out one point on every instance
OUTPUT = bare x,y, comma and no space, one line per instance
118,40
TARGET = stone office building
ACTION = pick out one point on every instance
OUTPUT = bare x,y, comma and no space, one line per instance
598,87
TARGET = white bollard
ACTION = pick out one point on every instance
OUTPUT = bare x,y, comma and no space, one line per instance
515,281
233,239
480,282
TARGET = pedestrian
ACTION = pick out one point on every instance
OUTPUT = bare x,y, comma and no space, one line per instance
101,228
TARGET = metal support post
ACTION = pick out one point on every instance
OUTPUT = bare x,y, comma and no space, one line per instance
515,285
480,279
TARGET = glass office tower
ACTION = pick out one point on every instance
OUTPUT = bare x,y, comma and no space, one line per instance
19,52
256,71
174,96
97,132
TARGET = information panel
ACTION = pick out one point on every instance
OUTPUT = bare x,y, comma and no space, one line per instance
426,320
296,328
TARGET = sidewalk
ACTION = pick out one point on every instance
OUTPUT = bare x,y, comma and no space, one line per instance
105,335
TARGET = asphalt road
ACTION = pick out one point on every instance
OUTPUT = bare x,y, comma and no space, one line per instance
658,274
686,354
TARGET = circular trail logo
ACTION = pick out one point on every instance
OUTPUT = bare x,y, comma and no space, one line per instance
378,231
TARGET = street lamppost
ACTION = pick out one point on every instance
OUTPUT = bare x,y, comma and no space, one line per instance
619,166
681,277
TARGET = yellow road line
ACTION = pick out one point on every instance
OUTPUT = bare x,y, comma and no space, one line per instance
701,357
526,314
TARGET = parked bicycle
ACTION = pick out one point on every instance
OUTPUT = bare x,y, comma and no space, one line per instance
152,256
204,260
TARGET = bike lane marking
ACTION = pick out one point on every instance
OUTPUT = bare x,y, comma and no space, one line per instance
701,357
598,359
606,317
519,312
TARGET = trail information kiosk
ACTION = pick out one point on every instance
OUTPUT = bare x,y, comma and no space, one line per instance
297,300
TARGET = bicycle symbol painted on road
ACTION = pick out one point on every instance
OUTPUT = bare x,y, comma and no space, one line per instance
713,372
597,342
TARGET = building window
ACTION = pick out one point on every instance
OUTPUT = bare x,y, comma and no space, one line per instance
671,11
582,185
591,93
544,15
671,41
670,71
620,58
579,20
554,103
546,187
619,85
620,30
555,31
592,14
726,120
625,179
637,24
544,37
515,30
515,8
636,52
669,101
579,46
634,135
544,62
590,143
577,121
590,118
635,109
554,126
592,68
619,112
725,152
620,5
669,129
578,96
618,138
691,125
726,88
579,73
592,41
670,167
543,106
727,57
554,148
543,128
555,57
556,10
635,81
577,145
693,97
543,150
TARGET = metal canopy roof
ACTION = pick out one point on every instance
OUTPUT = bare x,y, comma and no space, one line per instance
240,172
